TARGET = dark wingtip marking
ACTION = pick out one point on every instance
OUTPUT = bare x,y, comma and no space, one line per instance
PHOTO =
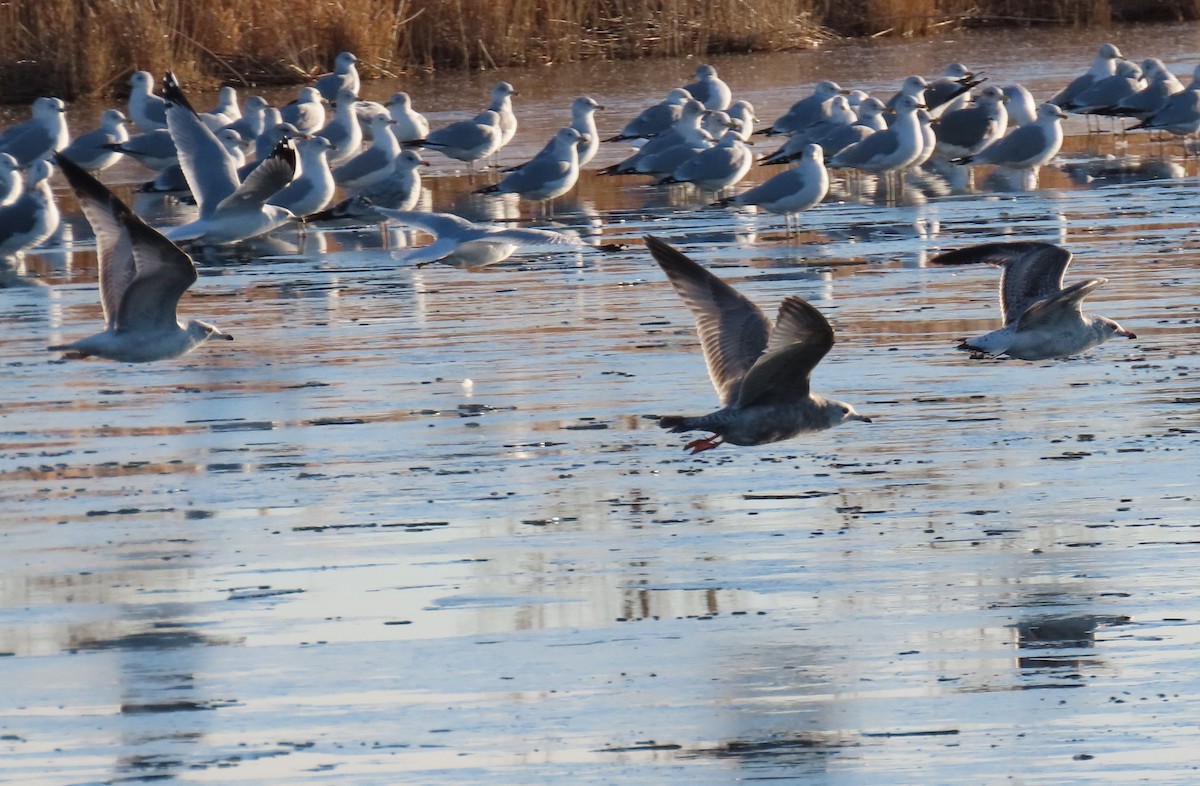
173,92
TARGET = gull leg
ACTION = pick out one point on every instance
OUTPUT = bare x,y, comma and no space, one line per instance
700,445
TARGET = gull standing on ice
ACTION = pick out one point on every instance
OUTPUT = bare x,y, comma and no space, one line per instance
230,209
966,131
374,163
709,89
91,150
1027,147
791,191
550,174
761,371
344,77
807,111
653,120
147,111
1104,65
313,188
892,149
717,167
40,136
306,113
501,104
33,216
410,124
343,130
458,241
399,191
1041,319
142,277
466,140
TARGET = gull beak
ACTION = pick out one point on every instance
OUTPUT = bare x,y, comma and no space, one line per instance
1127,334
222,334
857,416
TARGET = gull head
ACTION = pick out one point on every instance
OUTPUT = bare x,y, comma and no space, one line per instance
142,81
1110,52
839,412
344,62
705,71
1110,327
202,331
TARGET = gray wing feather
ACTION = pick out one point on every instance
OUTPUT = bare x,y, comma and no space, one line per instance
733,331
1032,271
800,338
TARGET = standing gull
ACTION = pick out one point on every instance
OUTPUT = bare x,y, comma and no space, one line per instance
147,111
807,111
1041,319
1027,147
761,371
653,120
501,104
344,77
399,191
466,140
717,167
41,135
374,163
343,130
889,150
966,131
142,277
306,113
550,174
33,216
1104,65
91,150
792,190
410,124
950,91
313,188
709,89
461,242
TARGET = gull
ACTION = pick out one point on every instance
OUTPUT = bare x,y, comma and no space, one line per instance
742,114
717,167
1104,65
343,130
807,111
1109,91
466,140
839,116
344,77
306,113
251,124
266,143
1027,147
374,163
459,241
914,86
655,119
36,138
889,150
583,120
153,149
1161,85
709,89
399,191
1041,319
410,124
791,191
92,150
1022,110
230,209
142,277
966,131
686,132
928,140
550,174
311,190
950,91
501,104
33,216
147,111
225,112
10,180
1180,113
761,371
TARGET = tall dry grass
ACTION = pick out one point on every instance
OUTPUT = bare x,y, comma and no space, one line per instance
77,47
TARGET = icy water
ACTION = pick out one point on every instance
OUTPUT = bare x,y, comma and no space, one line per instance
412,525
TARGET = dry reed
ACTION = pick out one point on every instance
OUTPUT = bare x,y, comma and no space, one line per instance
79,47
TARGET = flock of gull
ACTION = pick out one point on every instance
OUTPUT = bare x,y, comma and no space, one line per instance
254,168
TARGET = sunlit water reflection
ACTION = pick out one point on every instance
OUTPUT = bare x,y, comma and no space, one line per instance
411,526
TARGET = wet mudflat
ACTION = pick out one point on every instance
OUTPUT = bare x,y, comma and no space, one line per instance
412,525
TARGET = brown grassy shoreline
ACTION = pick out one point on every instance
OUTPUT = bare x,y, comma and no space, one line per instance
74,48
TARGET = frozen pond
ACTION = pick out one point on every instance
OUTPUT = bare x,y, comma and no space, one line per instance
411,526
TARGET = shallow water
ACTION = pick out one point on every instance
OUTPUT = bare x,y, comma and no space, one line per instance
411,526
